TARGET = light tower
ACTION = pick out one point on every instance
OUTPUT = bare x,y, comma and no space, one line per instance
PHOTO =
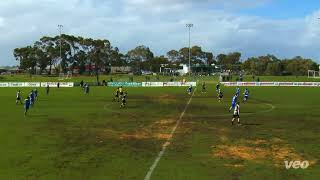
60,41
189,26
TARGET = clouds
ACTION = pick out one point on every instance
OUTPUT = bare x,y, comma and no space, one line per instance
159,25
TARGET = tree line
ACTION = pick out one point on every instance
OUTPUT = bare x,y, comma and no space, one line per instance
99,55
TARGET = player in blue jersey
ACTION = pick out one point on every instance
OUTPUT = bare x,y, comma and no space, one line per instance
246,95
32,98
238,91
234,102
26,105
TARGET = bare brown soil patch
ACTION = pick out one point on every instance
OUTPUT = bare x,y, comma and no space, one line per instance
166,99
259,150
159,130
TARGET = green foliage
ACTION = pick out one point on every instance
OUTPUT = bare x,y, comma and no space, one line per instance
75,52
270,65
96,55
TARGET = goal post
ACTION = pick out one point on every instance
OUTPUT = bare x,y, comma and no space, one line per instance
63,76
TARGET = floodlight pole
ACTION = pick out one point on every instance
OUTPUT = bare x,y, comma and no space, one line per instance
189,26
60,33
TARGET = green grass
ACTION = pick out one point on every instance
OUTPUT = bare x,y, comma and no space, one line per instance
69,135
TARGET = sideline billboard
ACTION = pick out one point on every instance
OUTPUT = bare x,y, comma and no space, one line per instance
168,84
273,84
35,84
55,84
124,84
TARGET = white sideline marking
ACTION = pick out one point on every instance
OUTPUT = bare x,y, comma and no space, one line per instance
167,143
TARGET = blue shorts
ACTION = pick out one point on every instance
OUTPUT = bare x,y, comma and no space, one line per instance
233,105
26,107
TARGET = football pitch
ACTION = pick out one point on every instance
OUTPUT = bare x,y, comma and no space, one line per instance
70,135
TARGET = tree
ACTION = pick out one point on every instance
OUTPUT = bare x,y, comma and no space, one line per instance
26,58
155,64
221,59
173,55
139,55
274,69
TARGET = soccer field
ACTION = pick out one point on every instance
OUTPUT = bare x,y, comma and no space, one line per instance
70,135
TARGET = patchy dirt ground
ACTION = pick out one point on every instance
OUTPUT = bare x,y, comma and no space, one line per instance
166,99
259,150
159,130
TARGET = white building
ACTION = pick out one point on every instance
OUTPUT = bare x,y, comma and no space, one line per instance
184,70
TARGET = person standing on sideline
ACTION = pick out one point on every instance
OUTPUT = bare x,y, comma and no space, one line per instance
47,89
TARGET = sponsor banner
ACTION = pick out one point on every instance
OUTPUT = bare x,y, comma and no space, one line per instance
189,83
35,84
16,84
31,84
19,84
152,84
125,84
4,84
55,84
270,84
174,84
168,84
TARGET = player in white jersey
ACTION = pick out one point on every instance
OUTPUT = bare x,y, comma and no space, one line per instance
190,89
236,113
18,98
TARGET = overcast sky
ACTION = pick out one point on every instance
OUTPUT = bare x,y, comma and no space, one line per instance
285,28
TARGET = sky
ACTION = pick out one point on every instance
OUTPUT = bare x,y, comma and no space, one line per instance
285,28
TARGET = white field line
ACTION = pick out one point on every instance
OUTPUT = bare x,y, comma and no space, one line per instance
168,142
272,107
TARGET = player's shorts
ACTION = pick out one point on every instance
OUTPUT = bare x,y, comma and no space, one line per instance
18,98
246,97
26,107
220,97
233,105
236,115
